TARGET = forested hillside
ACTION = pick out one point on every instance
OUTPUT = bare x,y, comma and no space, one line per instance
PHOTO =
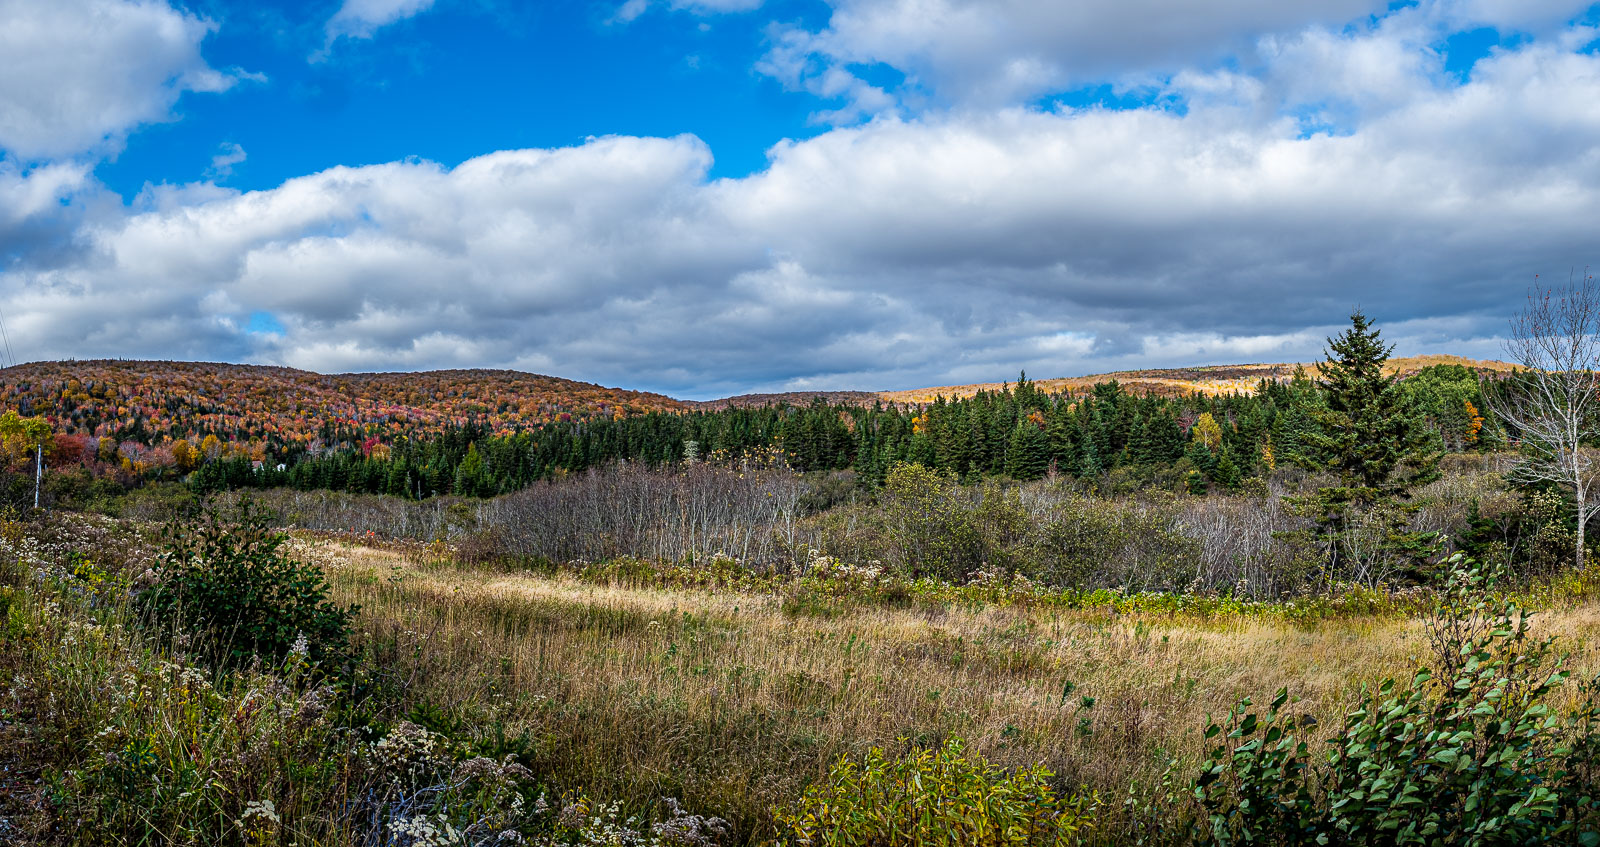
481,433
286,409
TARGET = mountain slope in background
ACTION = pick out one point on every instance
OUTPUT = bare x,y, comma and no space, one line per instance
101,397
115,397
1211,379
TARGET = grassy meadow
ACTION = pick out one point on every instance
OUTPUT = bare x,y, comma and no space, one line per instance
735,702
616,698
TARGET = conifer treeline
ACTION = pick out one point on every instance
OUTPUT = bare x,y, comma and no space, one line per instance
1019,432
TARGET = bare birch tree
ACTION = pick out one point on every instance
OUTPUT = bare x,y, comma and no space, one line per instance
1551,406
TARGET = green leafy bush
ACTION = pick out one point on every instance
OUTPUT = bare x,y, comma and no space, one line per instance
1082,541
931,526
930,798
227,581
1469,752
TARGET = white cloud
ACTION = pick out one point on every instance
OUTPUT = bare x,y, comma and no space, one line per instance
228,155
40,210
27,194
1000,51
362,18
631,9
79,74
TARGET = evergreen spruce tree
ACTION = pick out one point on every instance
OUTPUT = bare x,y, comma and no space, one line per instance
1062,433
970,441
1028,396
1293,427
1376,448
1227,472
471,478
1122,424
1166,438
1201,457
1002,420
1101,418
1089,465
1028,455
1140,449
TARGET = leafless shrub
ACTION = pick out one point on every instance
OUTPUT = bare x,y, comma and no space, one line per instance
1247,545
1051,531
390,517
749,514
1445,505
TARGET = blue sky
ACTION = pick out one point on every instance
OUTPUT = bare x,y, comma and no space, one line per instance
706,197
465,78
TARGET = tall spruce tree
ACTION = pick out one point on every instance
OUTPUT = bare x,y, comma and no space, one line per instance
1377,450
1028,455
1062,432
1166,438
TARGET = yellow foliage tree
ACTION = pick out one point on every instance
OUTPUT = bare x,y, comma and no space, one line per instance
1474,422
184,455
1208,432
22,436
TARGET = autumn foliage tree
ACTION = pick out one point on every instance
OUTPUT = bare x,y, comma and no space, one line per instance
21,438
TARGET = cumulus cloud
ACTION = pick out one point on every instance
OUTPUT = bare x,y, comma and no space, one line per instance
37,217
77,75
997,51
25,194
362,18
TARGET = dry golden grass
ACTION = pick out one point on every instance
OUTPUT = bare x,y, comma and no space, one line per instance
1211,380
729,703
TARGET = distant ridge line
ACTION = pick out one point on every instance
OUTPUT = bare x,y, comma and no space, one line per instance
1204,379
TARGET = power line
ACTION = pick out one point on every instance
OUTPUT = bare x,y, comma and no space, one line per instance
6,337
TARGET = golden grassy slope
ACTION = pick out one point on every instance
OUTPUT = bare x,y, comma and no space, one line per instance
1211,379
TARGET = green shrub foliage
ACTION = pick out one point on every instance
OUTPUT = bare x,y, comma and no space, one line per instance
933,798
1469,752
226,581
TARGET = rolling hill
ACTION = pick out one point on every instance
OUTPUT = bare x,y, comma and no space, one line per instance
97,396
107,397
1211,379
